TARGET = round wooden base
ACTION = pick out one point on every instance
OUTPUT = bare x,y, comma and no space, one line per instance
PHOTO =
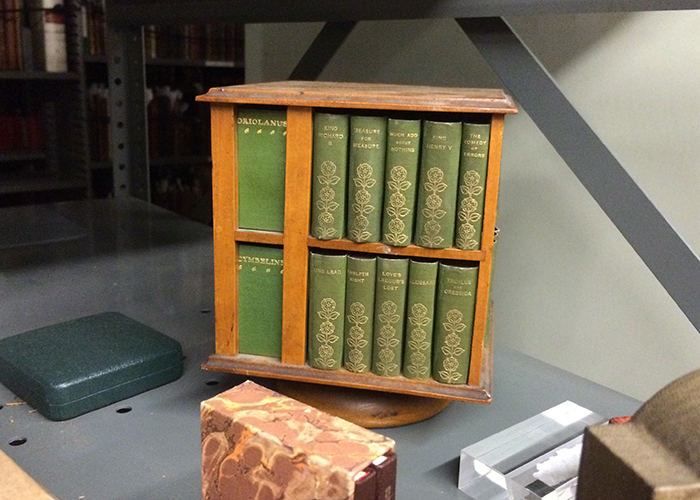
363,407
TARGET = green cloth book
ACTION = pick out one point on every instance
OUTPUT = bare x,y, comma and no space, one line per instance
327,277
454,322
400,181
420,312
329,176
437,188
359,313
389,315
260,299
366,177
261,134
472,185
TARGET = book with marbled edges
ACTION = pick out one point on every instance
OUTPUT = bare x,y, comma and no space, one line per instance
366,178
326,320
260,299
359,313
454,322
389,315
259,444
261,135
420,312
400,178
437,187
472,185
329,176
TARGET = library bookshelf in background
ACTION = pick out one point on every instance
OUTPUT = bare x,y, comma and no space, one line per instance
301,101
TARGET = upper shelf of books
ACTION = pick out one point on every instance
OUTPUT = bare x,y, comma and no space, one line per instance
366,96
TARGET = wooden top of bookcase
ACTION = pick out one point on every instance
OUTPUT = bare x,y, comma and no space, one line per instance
365,96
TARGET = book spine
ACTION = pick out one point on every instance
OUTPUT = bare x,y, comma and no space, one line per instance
262,146
329,176
326,310
437,189
366,184
365,485
53,25
27,53
420,312
359,313
472,185
11,39
454,322
389,316
19,12
4,49
386,469
260,300
401,174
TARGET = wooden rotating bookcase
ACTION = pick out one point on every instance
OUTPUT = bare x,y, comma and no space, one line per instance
301,99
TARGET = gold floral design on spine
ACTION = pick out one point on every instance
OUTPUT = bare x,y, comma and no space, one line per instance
397,209
327,204
326,334
451,348
432,210
417,340
361,207
469,210
357,338
387,340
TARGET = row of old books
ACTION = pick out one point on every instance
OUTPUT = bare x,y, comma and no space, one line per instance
195,42
388,179
21,131
92,13
33,35
408,180
179,191
391,316
98,113
176,127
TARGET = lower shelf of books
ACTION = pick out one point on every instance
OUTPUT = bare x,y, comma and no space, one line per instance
260,366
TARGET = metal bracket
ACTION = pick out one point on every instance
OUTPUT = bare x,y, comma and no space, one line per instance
673,263
322,50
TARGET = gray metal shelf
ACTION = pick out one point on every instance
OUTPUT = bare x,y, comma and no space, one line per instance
128,256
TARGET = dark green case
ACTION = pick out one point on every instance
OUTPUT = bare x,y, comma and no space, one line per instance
71,368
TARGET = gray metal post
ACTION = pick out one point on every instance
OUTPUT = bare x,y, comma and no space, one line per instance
665,253
322,50
128,126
